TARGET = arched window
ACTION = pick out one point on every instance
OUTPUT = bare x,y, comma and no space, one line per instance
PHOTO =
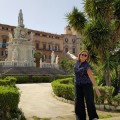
73,51
66,40
66,50
73,40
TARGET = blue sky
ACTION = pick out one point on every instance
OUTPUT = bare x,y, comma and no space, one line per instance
42,15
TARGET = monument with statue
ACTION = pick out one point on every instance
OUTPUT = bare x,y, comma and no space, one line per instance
21,49
20,46
20,59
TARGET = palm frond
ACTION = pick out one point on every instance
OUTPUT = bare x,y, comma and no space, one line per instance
97,33
76,19
96,8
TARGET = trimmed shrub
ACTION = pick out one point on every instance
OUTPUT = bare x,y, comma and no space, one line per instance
15,113
63,76
109,93
33,79
9,99
22,79
41,79
106,95
116,99
8,81
63,88
101,99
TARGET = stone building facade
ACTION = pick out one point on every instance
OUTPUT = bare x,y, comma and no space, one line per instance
44,42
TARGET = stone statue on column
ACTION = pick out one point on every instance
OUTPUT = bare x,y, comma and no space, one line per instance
10,37
16,33
56,60
20,19
52,57
14,54
31,36
40,63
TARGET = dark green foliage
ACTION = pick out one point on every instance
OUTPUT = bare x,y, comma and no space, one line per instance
64,88
9,99
117,9
22,79
8,81
34,79
116,99
68,65
38,55
97,8
106,95
63,76
100,34
41,79
76,19
97,33
15,113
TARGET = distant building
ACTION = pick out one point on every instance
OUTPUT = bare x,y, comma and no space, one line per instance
72,41
44,42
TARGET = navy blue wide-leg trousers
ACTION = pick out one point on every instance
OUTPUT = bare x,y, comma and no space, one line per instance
84,93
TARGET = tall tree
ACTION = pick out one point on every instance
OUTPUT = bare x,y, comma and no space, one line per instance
38,55
101,30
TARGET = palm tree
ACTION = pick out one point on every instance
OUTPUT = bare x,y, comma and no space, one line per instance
101,30
76,19
38,55
116,58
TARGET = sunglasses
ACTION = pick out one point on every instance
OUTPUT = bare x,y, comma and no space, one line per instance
84,55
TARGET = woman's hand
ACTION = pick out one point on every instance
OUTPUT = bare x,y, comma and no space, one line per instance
73,57
97,92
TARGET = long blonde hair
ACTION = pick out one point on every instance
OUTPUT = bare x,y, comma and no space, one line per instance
88,57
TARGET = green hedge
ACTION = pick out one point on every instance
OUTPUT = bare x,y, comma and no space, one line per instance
63,76
64,88
116,99
14,113
8,81
9,99
35,79
42,79
22,79
106,95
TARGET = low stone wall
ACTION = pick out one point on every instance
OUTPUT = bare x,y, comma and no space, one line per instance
27,64
108,107
99,107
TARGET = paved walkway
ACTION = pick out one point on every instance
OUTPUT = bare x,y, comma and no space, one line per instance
36,100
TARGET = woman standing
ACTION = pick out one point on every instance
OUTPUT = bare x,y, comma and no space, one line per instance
84,82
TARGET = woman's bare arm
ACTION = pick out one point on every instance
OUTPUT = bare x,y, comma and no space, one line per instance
89,72
72,56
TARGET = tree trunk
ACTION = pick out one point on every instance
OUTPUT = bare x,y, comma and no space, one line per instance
107,77
117,82
37,63
4,116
